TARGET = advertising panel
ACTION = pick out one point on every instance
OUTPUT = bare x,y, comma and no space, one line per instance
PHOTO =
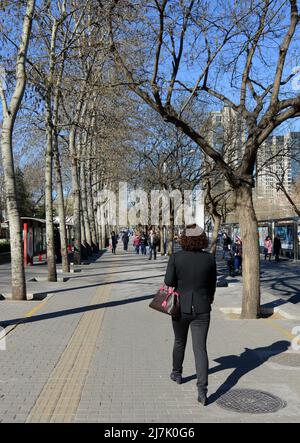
263,232
286,234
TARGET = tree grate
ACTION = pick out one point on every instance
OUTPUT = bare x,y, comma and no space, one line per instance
250,401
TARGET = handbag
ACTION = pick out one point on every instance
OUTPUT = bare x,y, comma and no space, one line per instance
166,300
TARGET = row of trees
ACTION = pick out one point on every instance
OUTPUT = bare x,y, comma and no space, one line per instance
124,90
57,84
238,54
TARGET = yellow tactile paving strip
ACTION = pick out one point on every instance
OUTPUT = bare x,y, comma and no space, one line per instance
60,397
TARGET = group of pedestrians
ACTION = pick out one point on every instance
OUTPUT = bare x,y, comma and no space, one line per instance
272,247
124,237
233,254
142,242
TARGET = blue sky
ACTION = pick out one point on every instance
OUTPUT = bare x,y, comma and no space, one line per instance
220,78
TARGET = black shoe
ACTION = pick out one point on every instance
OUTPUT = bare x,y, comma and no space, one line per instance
202,397
176,377
202,400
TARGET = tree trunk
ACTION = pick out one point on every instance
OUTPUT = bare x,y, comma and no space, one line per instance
90,207
161,229
215,234
100,234
96,186
85,215
57,161
61,208
84,249
76,200
9,112
15,228
162,243
251,263
51,257
171,229
102,227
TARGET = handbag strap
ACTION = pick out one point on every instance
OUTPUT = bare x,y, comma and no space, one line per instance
169,291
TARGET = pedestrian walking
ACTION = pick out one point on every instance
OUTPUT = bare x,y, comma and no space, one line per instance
237,250
114,242
192,272
277,247
144,244
226,245
137,243
268,247
230,264
125,240
153,241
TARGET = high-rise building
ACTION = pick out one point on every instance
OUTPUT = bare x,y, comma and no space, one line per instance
227,134
277,162
278,157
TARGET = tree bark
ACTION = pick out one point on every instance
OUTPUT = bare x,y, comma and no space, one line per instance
90,206
58,175
96,180
10,112
162,243
18,281
85,215
251,264
171,229
61,208
51,257
215,234
84,249
76,199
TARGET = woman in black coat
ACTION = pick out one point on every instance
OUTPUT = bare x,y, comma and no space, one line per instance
114,242
277,247
125,239
192,272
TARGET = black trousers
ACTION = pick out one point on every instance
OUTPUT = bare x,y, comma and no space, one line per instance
152,251
199,327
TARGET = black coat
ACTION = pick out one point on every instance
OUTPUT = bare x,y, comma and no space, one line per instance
194,275
276,246
114,240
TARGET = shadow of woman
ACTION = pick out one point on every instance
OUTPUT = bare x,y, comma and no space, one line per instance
246,362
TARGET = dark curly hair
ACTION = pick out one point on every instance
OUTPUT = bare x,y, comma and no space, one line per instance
196,242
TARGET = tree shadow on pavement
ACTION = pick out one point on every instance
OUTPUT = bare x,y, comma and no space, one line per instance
94,285
103,272
73,311
242,364
287,290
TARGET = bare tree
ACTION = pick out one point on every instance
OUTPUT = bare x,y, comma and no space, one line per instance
166,160
10,110
227,45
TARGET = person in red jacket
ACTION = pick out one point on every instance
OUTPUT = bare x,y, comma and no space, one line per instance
268,247
137,243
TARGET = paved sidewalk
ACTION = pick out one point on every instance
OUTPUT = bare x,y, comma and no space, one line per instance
94,352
